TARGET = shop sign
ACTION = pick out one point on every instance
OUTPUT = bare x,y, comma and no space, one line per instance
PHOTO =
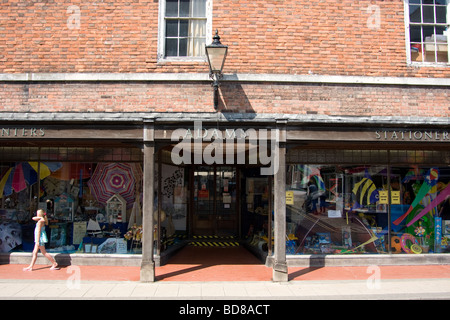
73,132
412,135
395,197
383,197
385,135
214,146
23,132
290,197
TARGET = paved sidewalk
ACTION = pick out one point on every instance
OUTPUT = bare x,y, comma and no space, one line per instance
402,289
224,275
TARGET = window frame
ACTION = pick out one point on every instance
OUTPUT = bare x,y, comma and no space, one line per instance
408,24
162,58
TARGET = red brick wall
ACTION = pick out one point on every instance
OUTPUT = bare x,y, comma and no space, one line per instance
272,36
334,100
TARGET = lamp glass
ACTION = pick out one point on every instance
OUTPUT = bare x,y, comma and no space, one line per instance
216,57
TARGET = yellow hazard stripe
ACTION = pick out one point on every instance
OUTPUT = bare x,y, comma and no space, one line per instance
213,237
214,244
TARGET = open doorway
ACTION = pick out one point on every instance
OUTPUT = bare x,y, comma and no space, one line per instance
219,206
215,205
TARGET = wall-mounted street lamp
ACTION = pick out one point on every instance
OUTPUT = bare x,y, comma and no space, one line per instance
216,53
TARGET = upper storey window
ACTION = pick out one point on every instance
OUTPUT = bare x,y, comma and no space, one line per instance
184,29
428,24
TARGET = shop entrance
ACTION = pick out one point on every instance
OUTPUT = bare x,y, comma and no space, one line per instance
214,208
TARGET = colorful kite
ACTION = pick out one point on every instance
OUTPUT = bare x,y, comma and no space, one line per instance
441,197
311,172
365,190
413,174
430,181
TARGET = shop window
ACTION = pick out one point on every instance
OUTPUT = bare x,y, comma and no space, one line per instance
348,209
92,206
174,205
334,210
428,31
338,208
420,218
184,29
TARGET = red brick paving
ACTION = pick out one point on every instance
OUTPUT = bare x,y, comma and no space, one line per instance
221,264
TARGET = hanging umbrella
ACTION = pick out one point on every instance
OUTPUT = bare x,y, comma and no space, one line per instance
114,178
6,183
23,173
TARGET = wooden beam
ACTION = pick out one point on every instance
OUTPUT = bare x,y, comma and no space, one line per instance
280,270
147,273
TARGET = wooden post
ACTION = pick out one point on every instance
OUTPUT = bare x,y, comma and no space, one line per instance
148,264
280,270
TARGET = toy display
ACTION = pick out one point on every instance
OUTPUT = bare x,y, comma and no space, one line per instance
407,241
116,209
365,191
80,216
357,204
396,245
420,231
430,181
438,200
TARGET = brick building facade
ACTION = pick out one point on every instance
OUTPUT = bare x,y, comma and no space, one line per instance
328,75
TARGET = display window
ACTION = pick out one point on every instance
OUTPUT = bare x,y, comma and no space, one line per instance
173,198
256,220
398,208
93,205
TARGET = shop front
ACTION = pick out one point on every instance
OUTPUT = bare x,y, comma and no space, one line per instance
367,193
333,194
102,190
87,178
133,194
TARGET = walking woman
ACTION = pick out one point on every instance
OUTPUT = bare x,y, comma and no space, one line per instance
40,239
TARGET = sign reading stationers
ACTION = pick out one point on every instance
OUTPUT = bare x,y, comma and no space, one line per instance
412,135
369,135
